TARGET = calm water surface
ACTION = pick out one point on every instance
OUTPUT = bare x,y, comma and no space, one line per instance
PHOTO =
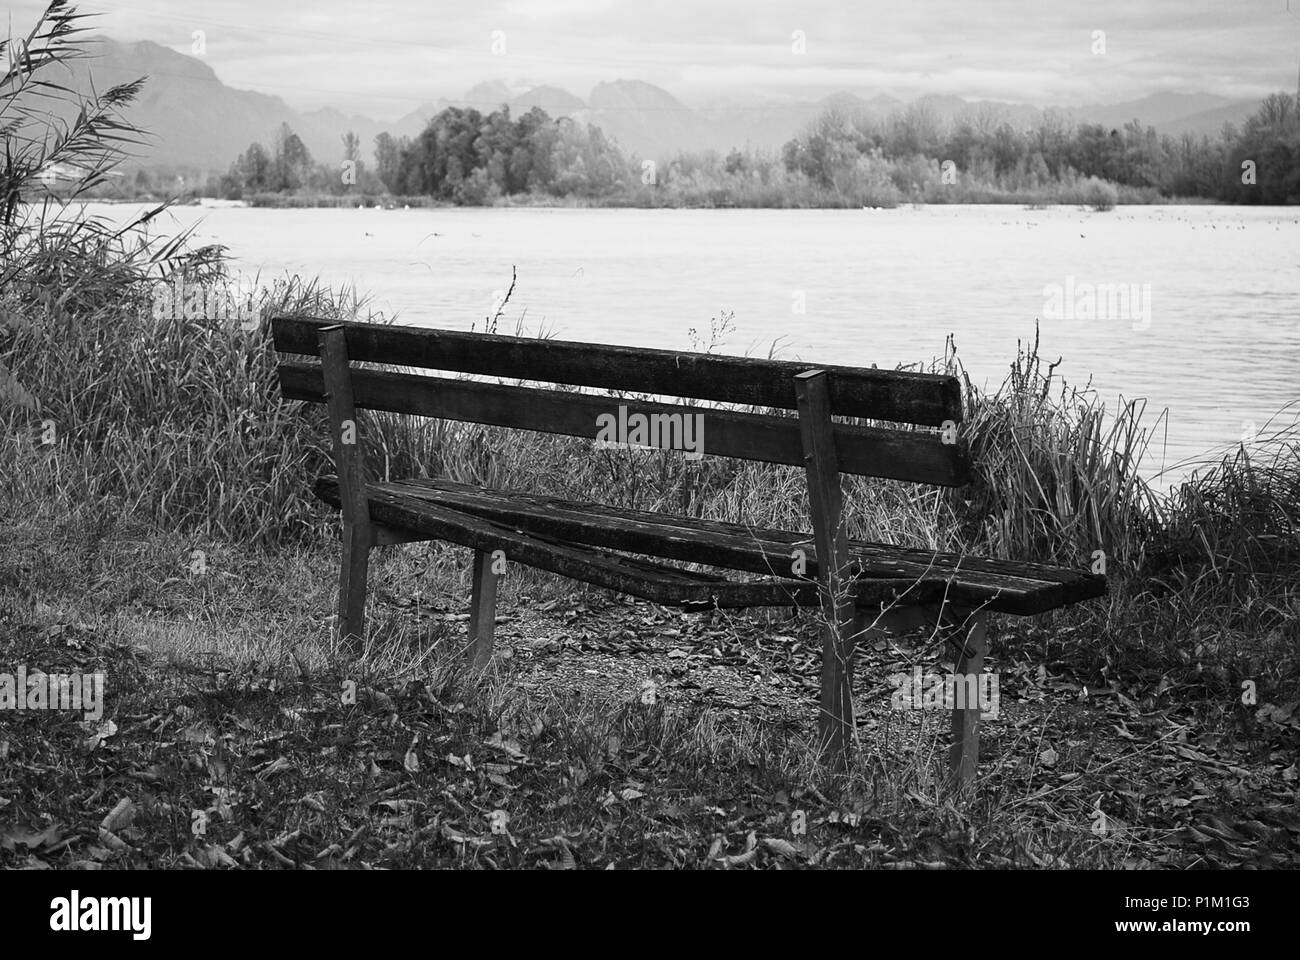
1219,346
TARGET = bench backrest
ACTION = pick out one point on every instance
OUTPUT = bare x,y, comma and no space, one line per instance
904,398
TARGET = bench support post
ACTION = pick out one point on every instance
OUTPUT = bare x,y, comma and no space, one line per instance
483,608
825,499
964,753
966,630
358,534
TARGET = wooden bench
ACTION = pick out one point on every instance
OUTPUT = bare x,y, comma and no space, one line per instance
860,587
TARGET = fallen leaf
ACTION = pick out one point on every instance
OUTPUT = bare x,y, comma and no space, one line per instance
455,836
277,766
111,840
846,817
1123,731
509,747
120,816
780,847
198,733
30,838
739,860
99,733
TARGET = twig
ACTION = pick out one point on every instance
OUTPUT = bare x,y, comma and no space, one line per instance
492,323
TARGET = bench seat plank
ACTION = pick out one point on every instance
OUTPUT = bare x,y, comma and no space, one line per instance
637,577
994,585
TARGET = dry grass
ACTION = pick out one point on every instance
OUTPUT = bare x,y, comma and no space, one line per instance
180,422
241,654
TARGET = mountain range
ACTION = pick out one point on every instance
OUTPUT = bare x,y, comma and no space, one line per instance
196,121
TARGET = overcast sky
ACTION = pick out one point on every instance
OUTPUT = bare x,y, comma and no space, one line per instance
384,57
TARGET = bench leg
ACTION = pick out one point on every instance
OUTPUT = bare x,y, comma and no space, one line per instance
358,535
964,754
352,586
482,608
835,731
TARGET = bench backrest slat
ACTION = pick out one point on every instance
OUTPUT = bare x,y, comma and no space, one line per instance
894,395
902,455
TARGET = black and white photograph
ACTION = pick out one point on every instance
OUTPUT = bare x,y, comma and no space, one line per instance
587,435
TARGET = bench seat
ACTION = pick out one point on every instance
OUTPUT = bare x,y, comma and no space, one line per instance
578,539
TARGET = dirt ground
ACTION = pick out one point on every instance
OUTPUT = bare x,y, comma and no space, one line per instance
225,742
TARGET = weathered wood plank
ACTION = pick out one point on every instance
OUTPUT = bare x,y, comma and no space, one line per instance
357,533
998,585
386,536
482,608
895,454
630,522
826,504
900,396
636,577
964,753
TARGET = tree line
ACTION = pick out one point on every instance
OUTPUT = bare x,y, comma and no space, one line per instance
467,157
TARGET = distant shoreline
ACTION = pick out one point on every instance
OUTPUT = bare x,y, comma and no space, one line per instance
327,201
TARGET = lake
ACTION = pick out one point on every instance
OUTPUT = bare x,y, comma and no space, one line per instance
1193,308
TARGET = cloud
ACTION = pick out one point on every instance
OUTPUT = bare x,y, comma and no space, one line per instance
385,57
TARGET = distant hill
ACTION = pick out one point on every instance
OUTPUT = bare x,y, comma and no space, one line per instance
1210,122
770,124
1157,109
556,102
486,96
199,122
1172,113
645,119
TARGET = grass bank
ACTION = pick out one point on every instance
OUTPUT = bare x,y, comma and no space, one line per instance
1089,192
180,422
